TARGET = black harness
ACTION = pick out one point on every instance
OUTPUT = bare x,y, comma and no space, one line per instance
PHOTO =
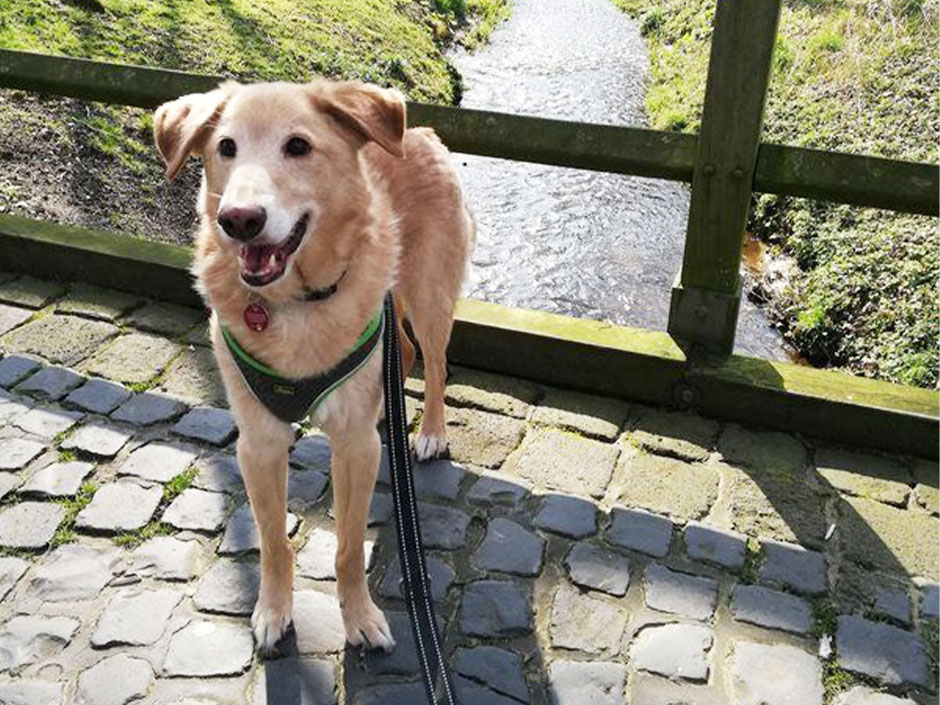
294,399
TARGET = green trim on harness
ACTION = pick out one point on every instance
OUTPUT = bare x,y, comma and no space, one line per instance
294,399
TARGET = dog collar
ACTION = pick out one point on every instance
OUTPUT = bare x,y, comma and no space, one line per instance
291,399
324,293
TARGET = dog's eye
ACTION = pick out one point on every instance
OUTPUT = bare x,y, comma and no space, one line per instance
297,147
227,147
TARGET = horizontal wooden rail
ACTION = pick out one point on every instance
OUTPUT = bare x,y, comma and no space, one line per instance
830,176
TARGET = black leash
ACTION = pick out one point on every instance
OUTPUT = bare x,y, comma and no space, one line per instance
437,681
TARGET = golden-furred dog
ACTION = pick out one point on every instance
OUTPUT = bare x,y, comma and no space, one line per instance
315,202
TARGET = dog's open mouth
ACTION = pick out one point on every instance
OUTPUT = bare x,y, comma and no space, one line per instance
264,263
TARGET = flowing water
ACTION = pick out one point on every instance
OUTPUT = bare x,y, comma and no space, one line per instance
581,243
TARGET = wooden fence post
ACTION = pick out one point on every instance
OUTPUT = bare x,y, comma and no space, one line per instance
707,296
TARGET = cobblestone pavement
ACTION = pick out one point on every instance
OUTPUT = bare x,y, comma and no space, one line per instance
582,550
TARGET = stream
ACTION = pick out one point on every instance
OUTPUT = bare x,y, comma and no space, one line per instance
568,241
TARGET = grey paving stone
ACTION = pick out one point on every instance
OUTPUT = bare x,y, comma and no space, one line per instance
380,509
134,358
569,516
580,683
775,675
865,475
495,608
198,510
27,291
317,559
687,595
26,639
403,660
14,368
442,527
649,689
61,340
563,461
499,669
165,558
120,506
115,680
158,462
135,617
639,530
229,587
769,608
793,566
482,438
586,624
589,415
675,434
469,692
74,572
203,648
863,695
509,396
194,377
318,623
15,453
295,681
882,651
713,545
304,488
11,317
29,524
396,694
893,603
241,535
97,439
312,452
219,473
667,486
32,692
58,479
767,450
148,408
930,607
11,570
47,423
509,548
203,423
674,650
99,396
51,383
165,318
595,568
441,574
8,483
96,302
12,407
439,478
498,489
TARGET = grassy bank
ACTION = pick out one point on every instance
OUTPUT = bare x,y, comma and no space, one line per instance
94,165
848,75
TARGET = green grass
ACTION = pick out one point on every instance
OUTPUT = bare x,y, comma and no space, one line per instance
848,75
825,618
73,505
753,557
133,539
175,487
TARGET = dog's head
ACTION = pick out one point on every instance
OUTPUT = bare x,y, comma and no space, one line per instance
282,169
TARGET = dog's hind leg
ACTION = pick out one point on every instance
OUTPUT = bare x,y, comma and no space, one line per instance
407,347
262,457
432,328
355,466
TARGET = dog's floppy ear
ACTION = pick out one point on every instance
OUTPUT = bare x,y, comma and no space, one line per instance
181,126
378,114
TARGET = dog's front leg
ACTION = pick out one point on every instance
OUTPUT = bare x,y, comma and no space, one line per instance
355,465
262,456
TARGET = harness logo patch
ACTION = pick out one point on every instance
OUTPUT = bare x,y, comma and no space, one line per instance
284,389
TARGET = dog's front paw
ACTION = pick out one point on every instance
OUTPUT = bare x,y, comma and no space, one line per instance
365,625
269,622
430,445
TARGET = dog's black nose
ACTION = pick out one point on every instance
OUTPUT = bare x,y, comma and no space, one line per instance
242,223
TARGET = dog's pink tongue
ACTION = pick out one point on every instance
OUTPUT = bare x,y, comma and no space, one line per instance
255,257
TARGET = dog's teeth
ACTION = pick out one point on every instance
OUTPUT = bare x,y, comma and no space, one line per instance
272,261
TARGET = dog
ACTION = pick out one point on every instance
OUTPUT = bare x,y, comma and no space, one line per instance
316,201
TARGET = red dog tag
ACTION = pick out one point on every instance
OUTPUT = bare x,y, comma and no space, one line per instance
256,317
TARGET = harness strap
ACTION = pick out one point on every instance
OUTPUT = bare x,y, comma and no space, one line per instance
294,399
415,585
